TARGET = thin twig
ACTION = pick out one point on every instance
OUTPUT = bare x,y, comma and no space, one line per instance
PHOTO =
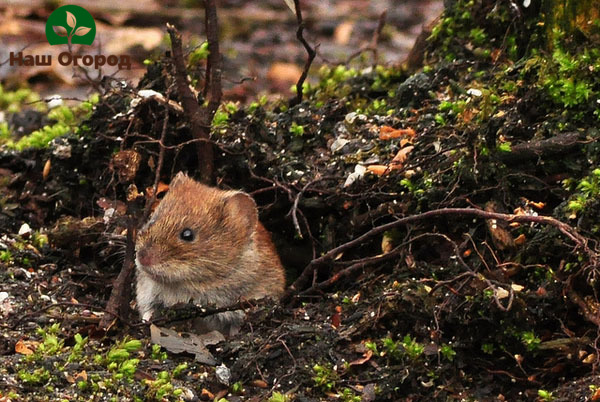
329,256
311,53
199,119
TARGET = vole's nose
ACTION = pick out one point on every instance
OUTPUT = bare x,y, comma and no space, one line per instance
146,256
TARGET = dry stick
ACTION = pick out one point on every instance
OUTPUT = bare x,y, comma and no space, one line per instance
372,46
159,165
118,303
199,120
294,210
212,86
306,275
309,50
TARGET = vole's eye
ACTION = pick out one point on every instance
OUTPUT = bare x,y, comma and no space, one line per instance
187,235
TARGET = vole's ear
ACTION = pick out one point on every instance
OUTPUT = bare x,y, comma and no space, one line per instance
241,206
178,179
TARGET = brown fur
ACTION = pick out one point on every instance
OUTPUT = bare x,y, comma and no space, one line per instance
231,257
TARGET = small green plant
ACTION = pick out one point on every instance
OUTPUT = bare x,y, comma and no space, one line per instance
324,377
478,36
448,352
36,377
77,349
199,54
220,119
296,129
487,348
545,395
347,395
279,397
372,346
531,341
5,256
51,345
413,348
177,371
13,101
504,147
157,354
237,388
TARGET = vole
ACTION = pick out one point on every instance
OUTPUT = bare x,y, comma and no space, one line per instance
205,245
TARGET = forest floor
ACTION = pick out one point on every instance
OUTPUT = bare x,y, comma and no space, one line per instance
437,219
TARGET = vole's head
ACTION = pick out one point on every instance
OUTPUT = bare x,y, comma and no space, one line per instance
197,233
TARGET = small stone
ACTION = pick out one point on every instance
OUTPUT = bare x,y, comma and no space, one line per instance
223,374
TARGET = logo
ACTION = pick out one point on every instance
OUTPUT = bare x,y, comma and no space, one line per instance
70,24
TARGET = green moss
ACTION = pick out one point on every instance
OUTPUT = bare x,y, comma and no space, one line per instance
13,101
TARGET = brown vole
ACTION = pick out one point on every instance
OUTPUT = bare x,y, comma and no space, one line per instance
205,245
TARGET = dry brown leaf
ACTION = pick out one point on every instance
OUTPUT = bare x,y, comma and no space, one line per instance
520,240
388,133
387,243
379,170
126,164
206,395
343,32
81,376
23,347
401,157
537,205
259,383
501,237
46,170
161,188
366,357
284,73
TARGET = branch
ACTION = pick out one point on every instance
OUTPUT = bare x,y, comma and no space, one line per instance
306,275
212,85
309,50
199,120
118,303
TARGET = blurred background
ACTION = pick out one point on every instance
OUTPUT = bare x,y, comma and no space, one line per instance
258,39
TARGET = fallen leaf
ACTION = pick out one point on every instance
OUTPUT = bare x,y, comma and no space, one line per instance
259,384
501,238
366,357
206,395
126,164
187,342
81,376
520,240
22,347
401,157
379,170
284,73
387,243
537,205
388,133
46,170
161,188
343,32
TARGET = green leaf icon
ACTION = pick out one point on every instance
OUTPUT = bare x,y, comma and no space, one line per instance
71,20
60,30
82,31
70,24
